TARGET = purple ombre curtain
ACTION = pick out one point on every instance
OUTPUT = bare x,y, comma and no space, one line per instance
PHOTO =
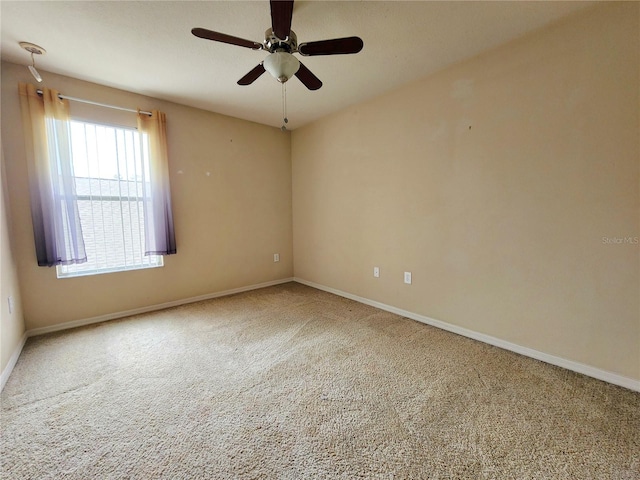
158,217
54,211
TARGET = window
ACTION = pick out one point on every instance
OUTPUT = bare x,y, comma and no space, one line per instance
123,185
111,173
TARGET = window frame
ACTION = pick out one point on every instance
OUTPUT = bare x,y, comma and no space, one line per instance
155,261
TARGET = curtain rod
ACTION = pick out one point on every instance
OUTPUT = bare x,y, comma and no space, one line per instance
81,100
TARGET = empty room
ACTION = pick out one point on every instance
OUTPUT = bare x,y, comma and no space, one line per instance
320,239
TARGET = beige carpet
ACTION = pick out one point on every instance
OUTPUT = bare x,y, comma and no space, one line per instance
290,382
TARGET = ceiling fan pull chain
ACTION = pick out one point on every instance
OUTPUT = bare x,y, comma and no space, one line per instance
286,120
284,107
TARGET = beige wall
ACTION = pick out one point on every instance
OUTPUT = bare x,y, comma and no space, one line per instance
228,225
11,323
494,183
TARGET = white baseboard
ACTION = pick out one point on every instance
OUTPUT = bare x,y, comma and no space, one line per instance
12,361
151,308
588,370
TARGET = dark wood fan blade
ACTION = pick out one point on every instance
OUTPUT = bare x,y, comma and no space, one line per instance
251,77
307,78
224,38
336,46
281,14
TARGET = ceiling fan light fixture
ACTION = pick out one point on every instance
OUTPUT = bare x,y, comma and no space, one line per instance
281,65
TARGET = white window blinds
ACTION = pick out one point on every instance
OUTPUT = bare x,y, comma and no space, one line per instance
111,166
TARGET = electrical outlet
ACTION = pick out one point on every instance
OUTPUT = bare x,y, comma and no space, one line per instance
376,272
407,277
276,257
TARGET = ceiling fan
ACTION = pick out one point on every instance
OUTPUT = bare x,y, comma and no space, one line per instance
281,42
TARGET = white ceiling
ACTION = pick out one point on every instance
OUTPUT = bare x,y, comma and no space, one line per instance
146,47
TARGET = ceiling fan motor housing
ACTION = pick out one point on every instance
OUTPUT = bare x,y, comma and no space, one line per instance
275,44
